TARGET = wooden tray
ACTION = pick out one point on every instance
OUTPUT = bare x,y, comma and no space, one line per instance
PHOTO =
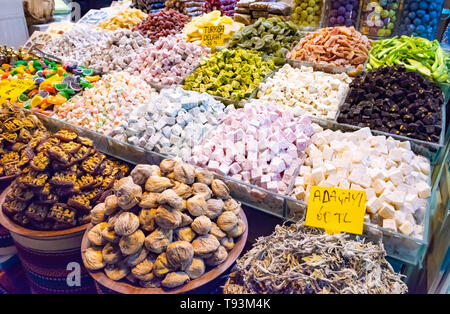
125,287
7,178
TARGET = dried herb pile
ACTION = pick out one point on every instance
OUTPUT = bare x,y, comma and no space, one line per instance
301,260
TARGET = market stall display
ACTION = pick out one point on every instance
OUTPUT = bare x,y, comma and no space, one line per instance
415,53
172,122
342,13
249,11
395,101
272,37
107,104
163,226
226,7
191,8
378,17
127,19
149,6
305,91
297,259
168,61
232,74
335,46
308,13
162,23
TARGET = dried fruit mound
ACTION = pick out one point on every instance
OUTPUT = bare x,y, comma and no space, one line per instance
163,23
303,260
339,46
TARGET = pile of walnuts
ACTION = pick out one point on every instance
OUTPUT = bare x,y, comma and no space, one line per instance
163,226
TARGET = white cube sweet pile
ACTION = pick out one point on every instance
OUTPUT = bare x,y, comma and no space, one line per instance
306,91
394,178
172,122
258,144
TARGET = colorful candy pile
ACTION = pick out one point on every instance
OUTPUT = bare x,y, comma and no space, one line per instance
108,103
161,24
307,13
378,17
342,13
226,7
168,61
125,19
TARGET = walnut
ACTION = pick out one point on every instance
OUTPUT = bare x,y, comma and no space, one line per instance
111,254
201,225
233,206
175,279
184,173
117,272
136,258
110,236
158,240
167,165
227,221
140,174
196,205
170,198
204,176
132,243
215,231
179,254
205,245
214,208
238,230
126,224
185,234
186,220
196,269
227,243
157,184
128,194
147,219
167,219
183,190
98,214
149,200
220,189
93,258
95,234
110,205
218,257
161,266
141,270
202,189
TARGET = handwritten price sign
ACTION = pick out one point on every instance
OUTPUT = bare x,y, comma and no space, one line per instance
336,210
212,36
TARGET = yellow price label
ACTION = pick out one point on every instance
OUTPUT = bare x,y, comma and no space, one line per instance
15,88
212,36
336,210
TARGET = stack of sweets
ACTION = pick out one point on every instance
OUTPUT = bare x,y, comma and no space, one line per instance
248,11
161,24
148,6
188,7
258,144
226,7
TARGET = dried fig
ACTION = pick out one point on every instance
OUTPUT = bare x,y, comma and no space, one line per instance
126,224
196,205
157,184
179,254
95,234
128,194
93,259
142,269
110,236
204,176
141,173
202,189
220,189
227,243
196,269
136,258
167,219
184,173
158,240
218,257
238,230
170,198
233,206
117,272
186,220
214,208
185,234
98,214
111,254
161,266
215,231
149,200
175,279
110,205
227,221
201,225
132,243
156,171
147,219
183,190
167,165
205,245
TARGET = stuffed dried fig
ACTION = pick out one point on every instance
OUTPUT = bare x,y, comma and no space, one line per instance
238,230
201,225
214,208
175,279
141,173
136,258
215,231
196,205
95,234
227,243
205,245
186,220
167,219
126,224
196,269
111,254
158,240
110,236
111,205
233,206
167,165
185,234
171,199
128,194
161,266
93,259
132,243
179,254
147,219
149,200
183,190
184,173
204,176
218,257
157,184
98,214
220,189
117,272
202,189
227,221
